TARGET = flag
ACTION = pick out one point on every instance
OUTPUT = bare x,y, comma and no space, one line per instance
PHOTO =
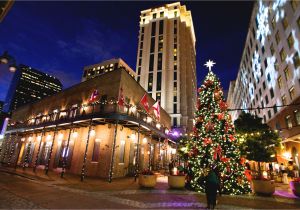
94,95
156,108
121,99
145,103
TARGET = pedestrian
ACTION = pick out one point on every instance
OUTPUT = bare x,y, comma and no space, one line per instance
212,185
171,166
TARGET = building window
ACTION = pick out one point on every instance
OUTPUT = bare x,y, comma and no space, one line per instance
264,85
160,43
159,61
161,27
122,151
161,14
298,22
287,73
152,45
175,121
174,108
279,81
158,83
272,93
272,49
96,151
292,93
267,99
269,114
273,23
294,4
260,92
282,55
154,15
175,86
285,22
288,122
158,96
151,63
175,75
275,109
175,14
296,60
283,99
150,82
297,117
290,40
277,37
138,79
153,28
175,96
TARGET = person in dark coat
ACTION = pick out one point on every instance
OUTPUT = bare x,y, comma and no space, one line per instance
211,188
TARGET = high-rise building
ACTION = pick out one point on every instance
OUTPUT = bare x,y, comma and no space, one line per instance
166,60
29,85
95,70
269,75
1,106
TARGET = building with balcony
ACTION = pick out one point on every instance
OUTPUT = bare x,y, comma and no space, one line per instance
83,130
29,85
95,70
268,79
166,60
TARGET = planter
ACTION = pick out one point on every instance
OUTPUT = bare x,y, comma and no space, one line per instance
147,180
295,187
176,181
265,187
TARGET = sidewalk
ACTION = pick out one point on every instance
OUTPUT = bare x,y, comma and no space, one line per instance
127,187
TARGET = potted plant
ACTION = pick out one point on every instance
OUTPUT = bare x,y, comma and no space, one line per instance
147,179
177,178
258,143
295,186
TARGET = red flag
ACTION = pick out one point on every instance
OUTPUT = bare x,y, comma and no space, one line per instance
156,108
145,103
94,95
121,99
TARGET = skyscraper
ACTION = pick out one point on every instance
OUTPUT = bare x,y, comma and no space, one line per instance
269,77
29,85
166,60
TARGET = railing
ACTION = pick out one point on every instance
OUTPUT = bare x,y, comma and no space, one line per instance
87,111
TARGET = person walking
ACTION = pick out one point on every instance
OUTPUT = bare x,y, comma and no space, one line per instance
211,188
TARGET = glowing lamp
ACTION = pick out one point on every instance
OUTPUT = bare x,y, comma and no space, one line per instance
75,134
97,140
60,136
30,138
39,138
59,142
144,140
158,125
265,174
149,119
133,137
133,108
122,142
92,132
49,137
23,139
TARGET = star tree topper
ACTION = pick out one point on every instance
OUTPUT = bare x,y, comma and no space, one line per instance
209,64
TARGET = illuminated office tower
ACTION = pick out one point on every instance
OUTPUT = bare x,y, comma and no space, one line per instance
269,75
29,85
166,63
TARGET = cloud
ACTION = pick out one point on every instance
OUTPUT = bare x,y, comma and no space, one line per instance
93,41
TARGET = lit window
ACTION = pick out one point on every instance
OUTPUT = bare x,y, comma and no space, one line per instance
285,22
122,151
288,121
96,151
297,117
283,98
292,93
279,81
277,37
282,55
287,73
296,60
290,40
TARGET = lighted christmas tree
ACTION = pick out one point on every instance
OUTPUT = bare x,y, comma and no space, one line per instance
213,142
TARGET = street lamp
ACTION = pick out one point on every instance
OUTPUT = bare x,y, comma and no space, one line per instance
7,59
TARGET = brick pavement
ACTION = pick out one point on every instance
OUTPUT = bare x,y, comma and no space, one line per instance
54,192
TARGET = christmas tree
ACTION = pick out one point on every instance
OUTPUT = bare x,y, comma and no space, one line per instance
213,143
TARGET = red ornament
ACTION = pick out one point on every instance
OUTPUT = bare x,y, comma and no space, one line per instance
209,126
218,152
231,137
220,116
207,141
242,161
223,105
208,83
198,104
200,90
224,159
217,94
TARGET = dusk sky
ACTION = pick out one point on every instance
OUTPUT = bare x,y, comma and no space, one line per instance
60,38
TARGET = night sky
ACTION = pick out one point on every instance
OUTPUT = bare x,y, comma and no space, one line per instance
60,38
